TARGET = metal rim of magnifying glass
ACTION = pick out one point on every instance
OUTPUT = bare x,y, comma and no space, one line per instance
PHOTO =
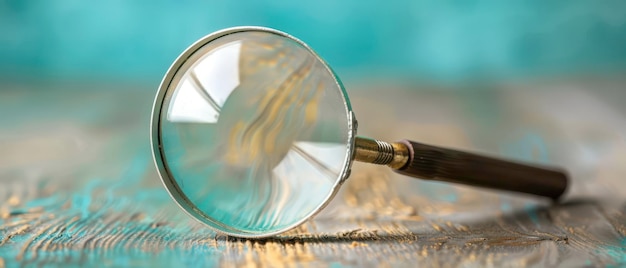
172,77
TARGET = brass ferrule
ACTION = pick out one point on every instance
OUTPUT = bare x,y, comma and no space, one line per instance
394,155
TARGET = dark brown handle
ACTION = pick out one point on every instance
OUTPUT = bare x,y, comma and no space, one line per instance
441,164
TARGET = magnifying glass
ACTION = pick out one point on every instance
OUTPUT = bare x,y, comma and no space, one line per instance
253,133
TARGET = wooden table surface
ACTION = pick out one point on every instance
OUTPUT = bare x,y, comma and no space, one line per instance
78,186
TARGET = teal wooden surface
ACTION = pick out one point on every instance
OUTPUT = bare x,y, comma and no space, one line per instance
78,186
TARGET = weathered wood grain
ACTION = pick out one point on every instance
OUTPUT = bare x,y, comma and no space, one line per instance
78,187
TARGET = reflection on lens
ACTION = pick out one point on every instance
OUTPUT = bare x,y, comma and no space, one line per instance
255,132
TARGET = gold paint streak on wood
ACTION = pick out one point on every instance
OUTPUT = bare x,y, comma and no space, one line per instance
351,200
555,238
19,231
128,241
249,257
248,142
478,240
462,228
2,263
398,231
273,253
106,242
355,244
70,222
359,234
472,257
266,99
272,137
310,111
137,216
370,192
13,201
436,227
140,238
148,242
15,223
36,246
75,218
36,210
116,240
232,156
27,244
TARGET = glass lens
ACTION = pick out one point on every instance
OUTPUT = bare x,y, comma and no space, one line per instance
255,132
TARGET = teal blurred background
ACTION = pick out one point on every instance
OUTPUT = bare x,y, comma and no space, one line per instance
442,41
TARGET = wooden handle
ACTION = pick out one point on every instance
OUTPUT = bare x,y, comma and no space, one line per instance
441,164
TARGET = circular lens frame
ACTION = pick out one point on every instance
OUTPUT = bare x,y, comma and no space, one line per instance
172,78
